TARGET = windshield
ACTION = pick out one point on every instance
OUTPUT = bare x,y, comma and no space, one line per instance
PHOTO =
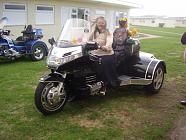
74,32
3,22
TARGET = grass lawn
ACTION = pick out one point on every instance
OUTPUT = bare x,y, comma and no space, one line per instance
124,114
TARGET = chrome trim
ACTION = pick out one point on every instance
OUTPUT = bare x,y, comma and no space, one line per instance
155,69
89,78
141,81
95,88
136,82
60,86
42,81
63,75
148,68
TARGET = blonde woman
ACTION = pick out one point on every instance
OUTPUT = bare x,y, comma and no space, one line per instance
102,36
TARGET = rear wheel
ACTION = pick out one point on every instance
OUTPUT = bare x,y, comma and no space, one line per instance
50,97
38,52
157,81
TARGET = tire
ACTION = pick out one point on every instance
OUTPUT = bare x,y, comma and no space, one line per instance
157,81
47,98
38,52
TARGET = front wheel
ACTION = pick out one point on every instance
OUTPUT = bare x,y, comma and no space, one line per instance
157,81
38,52
50,97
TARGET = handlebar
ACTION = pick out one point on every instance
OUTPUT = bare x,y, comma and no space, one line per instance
89,46
4,32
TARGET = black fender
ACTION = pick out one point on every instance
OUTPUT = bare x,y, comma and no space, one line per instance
53,77
30,44
3,42
144,65
152,67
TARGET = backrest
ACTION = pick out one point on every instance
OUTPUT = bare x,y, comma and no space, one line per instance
119,37
29,29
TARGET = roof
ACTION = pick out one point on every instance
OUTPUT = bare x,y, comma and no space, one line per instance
120,2
117,3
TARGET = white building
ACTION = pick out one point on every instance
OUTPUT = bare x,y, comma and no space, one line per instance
50,15
158,21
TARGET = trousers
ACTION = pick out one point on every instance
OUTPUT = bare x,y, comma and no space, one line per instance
107,70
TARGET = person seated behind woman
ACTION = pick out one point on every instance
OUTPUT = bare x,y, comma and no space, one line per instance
102,36
119,37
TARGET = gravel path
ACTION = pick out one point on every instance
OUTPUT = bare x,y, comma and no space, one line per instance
178,131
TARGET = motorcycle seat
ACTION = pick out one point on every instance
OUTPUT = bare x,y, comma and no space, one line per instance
28,30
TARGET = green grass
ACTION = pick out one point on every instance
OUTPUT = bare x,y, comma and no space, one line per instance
127,113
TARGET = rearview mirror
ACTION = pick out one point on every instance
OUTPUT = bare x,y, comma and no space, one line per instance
52,41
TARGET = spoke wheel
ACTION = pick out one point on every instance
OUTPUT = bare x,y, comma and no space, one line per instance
50,97
158,78
157,81
38,53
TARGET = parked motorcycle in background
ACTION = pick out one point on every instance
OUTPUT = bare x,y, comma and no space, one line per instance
29,44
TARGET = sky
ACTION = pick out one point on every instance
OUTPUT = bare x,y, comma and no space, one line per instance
170,8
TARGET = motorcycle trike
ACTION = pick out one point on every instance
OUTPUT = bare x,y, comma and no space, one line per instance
73,70
29,44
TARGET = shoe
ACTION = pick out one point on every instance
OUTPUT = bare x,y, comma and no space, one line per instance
183,102
103,89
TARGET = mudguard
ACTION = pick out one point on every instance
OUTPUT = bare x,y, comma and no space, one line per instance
152,67
144,65
3,42
30,44
53,77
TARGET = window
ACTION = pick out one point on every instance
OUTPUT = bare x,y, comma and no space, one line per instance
16,13
81,13
44,14
100,13
73,12
119,15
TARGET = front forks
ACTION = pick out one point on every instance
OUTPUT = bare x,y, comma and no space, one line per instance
60,87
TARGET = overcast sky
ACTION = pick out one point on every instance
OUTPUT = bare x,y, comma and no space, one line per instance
171,8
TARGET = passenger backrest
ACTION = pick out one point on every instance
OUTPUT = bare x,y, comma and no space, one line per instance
29,29
119,37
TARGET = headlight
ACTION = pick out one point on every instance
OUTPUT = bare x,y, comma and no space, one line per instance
54,61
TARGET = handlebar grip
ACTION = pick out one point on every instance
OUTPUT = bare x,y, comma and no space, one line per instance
6,32
91,46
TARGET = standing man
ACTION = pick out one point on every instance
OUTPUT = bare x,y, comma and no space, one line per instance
183,41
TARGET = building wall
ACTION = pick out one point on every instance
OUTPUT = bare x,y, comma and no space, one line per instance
54,29
154,22
180,23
